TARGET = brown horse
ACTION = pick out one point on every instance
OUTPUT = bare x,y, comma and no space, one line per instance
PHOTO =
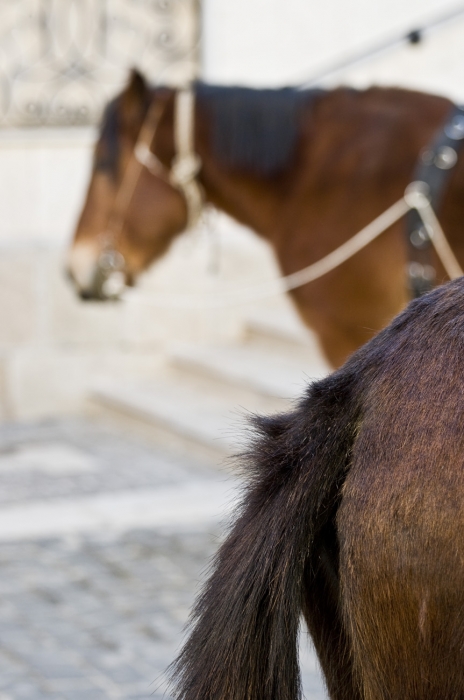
305,170
354,516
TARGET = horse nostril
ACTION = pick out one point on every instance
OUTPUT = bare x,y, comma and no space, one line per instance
86,295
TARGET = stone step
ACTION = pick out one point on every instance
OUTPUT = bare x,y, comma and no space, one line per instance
199,402
281,324
271,374
280,330
188,503
176,416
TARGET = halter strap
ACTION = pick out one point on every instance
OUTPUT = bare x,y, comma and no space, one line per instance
143,158
186,163
182,176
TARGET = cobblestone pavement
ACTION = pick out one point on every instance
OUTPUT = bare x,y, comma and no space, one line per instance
97,615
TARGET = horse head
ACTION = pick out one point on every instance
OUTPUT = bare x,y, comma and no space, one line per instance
132,209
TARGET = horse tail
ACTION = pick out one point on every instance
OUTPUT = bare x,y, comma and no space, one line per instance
243,645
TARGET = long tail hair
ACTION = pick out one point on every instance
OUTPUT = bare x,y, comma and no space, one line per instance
243,644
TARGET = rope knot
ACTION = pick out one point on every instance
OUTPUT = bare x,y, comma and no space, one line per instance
185,169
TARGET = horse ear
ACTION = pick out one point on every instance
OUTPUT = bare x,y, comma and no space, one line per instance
134,100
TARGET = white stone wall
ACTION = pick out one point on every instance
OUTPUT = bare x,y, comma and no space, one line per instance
270,42
42,182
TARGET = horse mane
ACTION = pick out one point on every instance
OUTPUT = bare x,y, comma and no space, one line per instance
254,130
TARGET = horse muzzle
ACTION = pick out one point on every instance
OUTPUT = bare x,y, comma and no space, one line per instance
103,279
109,279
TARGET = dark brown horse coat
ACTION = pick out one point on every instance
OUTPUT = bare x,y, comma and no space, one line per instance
306,173
354,516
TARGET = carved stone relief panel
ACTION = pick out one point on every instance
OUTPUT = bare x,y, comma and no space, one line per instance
61,60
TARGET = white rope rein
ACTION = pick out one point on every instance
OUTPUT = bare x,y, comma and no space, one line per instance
414,198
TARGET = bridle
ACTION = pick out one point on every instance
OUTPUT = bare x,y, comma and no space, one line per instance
110,272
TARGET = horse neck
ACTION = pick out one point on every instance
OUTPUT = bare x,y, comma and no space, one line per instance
254,201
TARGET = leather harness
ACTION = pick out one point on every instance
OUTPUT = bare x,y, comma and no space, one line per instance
433,168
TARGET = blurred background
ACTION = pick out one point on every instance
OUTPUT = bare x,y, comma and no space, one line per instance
115,419
60,63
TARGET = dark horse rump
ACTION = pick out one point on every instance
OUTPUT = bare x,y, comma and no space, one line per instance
354,515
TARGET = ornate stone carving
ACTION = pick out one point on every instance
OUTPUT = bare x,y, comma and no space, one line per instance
61,60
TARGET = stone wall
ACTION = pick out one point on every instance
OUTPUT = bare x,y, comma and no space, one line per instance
270,42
